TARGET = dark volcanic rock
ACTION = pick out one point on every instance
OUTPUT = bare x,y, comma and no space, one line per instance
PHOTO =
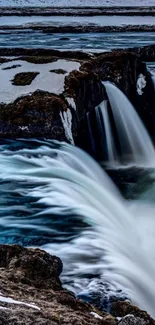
145,53
86,88
78,28
123,308
24,78
124,68
46,55
3,60
37,114
14,66
31,276
39,59
32,267
59,71
132,320
78,11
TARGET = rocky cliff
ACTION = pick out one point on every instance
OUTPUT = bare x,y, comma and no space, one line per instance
54,104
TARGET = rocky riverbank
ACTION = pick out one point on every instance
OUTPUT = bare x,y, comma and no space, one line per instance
31,293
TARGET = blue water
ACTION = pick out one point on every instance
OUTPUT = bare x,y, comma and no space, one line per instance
63,234
20,222
83,41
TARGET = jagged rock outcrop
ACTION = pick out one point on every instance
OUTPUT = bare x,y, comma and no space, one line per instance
31,278
31,293
130,313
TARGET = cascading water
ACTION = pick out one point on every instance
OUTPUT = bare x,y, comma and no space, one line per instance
68,182
134,142
103,118
153,80
151,68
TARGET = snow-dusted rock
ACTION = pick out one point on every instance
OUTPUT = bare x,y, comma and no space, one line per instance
141,84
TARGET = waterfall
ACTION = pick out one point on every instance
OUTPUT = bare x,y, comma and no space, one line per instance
153,79
133,140
151,69
68,181
103,118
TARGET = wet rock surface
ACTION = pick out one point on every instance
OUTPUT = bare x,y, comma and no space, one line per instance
31,293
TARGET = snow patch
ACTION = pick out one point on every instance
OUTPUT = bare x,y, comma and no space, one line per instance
76,3
23,128
141,84
45,80
131,319
66,118
17,302
115,20
71,102
96,315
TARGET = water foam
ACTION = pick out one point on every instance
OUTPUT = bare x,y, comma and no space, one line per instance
67,181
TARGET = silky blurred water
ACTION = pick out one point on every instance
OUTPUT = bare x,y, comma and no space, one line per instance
82,41
24,220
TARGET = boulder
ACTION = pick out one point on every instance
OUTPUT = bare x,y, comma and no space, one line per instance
31,292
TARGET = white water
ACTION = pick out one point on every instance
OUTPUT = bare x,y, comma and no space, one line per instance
68,181
135,143
153,79
111,150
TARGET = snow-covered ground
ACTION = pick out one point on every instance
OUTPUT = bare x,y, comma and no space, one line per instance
63,20
46,80
77,3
